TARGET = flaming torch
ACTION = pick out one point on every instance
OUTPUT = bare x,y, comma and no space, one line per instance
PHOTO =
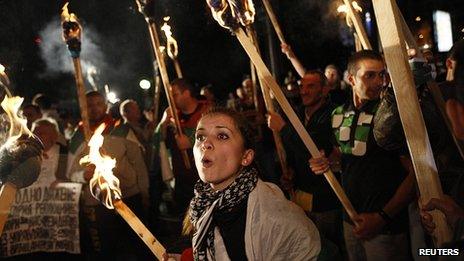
72,30
231,15
352,10
104,186
20,157
146,8
4,80
172,46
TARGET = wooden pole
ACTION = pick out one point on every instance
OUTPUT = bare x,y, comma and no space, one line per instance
140,229
7,196
81,97
396,58
254,90
165,78
357,43
270,82
250,31
357,23
177,67
409,38
270,108
432,85
156,94
275,23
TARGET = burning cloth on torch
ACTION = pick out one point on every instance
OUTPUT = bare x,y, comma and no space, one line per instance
230,13
104,186
20,155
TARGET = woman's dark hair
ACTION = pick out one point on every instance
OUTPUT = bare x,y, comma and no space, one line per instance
240,122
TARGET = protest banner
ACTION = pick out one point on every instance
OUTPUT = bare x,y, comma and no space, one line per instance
43,218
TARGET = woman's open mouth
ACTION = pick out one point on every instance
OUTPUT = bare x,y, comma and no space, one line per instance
206,162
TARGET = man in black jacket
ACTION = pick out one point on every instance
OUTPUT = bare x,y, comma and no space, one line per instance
313,193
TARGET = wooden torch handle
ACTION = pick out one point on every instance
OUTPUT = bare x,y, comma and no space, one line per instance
432,85
275,23
270,108
394,48
140,229
270,82
165,78
358,26
7,196
81,97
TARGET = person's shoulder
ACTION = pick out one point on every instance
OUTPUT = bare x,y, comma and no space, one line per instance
120,129
273,216
338,109
76,140
271,202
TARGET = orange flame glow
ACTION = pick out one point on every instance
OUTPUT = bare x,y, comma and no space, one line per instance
66,16
18,125
344,9
171,44
103,177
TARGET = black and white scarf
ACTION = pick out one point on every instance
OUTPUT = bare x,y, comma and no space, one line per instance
207,201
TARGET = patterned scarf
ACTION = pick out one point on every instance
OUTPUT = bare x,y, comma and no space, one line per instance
207,201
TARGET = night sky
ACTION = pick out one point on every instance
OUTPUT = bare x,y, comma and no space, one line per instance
116,42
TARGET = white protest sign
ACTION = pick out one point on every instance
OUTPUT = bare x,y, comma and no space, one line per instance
43,218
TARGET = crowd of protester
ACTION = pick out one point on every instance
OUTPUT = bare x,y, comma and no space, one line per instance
221,180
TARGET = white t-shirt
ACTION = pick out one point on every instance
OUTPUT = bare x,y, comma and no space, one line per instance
49,166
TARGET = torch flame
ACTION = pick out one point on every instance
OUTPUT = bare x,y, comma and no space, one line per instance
103,177
4,80
66,16
18,125
356,6
344,9
172,47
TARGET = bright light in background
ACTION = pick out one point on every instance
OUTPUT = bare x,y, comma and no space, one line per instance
368,17
111,96
418,19
443,33
145,84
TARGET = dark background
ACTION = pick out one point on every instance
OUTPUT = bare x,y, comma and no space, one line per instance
208,53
